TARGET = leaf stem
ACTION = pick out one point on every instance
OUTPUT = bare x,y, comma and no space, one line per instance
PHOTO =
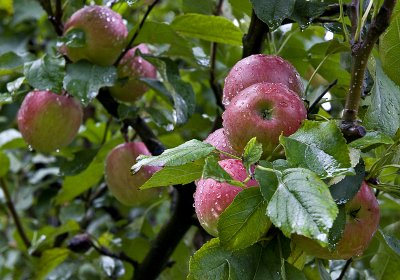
14,214
344,270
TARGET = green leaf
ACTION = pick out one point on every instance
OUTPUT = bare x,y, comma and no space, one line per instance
244,222
81,161
182,93
175,175
77,184
213,261
336,232
7,5
4,164
273,12
10,62
320,147
346,189
302,204
83,79
252,153
9,136
267,179
305,11
371,140
180,155
384,112
49,260
45,73
75,38
210,28
214,171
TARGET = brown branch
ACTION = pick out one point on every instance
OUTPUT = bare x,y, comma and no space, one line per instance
54,18
361,51
14,214
254,39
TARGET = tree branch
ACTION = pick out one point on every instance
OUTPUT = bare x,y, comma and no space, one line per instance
345,268
54,18
14,214
361,51
254,39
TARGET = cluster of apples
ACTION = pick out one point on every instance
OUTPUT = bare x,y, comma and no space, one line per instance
49,121
263,99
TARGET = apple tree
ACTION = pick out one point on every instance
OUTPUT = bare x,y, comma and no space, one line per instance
213,139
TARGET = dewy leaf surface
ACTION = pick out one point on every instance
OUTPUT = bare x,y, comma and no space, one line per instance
273,12
320,147
302,204
180,155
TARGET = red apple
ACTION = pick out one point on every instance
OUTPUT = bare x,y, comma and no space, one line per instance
362,220
260,68
48,121
264,111
130,69
212,198
218,140
122,184
105,35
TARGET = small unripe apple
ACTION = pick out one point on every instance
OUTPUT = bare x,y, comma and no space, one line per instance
104,35
218,140
123,185
48,121
362,220
264,111
260,68
130,69
212,198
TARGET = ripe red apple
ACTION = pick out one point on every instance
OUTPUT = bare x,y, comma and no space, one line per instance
104,31
130,69
260,68
362,220
48,121
264,111
123,185
218,140
212,198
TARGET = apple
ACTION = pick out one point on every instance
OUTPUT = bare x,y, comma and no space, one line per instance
130,69
220,142
123,185
362,220
212,198
259,68
264,111
104,35
48,121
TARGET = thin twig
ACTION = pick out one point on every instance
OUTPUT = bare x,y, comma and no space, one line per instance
120,256
54,18
344,270
312,106
14,214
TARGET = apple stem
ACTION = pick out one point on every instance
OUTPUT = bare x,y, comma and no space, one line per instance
14,214
361,50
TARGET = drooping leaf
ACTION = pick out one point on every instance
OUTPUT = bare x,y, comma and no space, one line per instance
83,79
4,164
10,62
49,260
244,222
267,179
252,153
180,155
371,140
175,175
302,204
336,232
384,112
273,12
320,147
207,27
9,137
81,161
46,73
214,171
305,11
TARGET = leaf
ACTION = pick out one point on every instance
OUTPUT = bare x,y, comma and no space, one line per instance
46,73
175,175
79,183
305,11
371,140
384,112
49,260
252,153
273,12
346,189
9,136
244,222
10,62
83,79
214,171
4,164
180,155
320,147
81,161
302,204
267,179
336,232
182,93
212,261
210,28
